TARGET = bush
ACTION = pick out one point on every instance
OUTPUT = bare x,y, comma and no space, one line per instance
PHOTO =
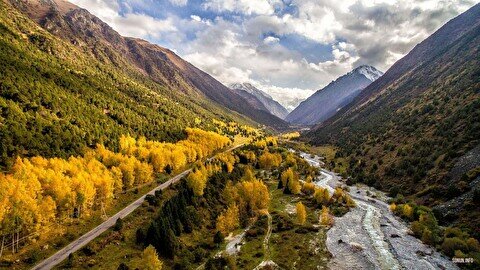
123,266
218,237
449,245
152,200
199,254
473,245
118,225
224,262
427,237
140,236
451,232
417,228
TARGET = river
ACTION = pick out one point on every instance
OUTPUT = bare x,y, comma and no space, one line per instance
369,236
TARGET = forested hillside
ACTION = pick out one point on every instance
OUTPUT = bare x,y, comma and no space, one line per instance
406,131
135,56
56,99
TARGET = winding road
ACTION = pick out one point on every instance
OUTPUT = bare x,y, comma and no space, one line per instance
62,254
369,236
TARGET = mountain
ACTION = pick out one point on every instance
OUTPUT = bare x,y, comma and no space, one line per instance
327,101
256,96
84,30
67,88
407,131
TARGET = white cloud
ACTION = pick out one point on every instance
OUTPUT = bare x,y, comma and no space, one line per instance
180,3
247,7
247,49
288,97
271,40
196,18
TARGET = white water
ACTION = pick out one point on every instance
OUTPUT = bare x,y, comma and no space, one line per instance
371,224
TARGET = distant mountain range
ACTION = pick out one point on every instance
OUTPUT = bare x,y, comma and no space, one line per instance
414,130
327,101
93,36
259,99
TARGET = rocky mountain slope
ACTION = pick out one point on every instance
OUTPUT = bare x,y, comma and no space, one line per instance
406,131
259,98
96,38
339,93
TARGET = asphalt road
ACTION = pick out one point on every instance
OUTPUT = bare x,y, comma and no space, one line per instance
62,254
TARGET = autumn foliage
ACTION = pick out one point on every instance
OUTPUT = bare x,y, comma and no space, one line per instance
301,213
269,160
39,191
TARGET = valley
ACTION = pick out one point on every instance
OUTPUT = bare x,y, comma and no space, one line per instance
179,135
371,237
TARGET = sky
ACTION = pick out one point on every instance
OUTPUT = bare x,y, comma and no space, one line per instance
287,48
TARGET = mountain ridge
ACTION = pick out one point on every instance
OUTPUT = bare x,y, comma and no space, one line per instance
405,132
81,28
252,93
324,103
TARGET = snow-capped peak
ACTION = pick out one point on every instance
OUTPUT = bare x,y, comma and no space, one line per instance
248,87
370,72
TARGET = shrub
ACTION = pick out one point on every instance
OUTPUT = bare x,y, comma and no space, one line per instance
449,245
218,237
427,237
118,225
123,266
308,188
417,228
473,245
451,232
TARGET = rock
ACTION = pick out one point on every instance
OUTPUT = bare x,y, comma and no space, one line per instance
383,225
340,241
356,246
394,235
420,253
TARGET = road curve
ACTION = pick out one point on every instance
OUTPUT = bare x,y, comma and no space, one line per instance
62,254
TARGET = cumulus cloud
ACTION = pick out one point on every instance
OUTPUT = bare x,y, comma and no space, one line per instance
271,40
248,40
247,7
289,98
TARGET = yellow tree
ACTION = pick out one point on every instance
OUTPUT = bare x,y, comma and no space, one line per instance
294,186
325,218
150,260
228,159
408,211
128,144
268,160
254,194
143,173
229,220
301,213
287,176
248,175
322,196
308,188
197,180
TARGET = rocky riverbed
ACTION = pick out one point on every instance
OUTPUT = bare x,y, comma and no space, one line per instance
369,236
